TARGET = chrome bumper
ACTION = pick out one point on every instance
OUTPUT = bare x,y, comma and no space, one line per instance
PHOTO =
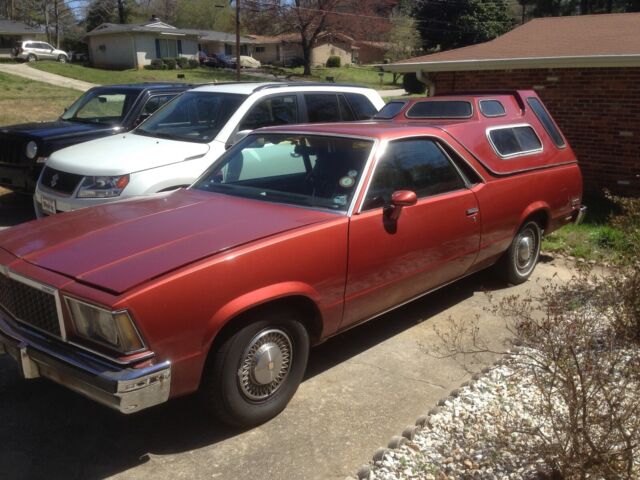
123,388
579,214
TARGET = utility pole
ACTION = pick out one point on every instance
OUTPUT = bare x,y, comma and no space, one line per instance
238,40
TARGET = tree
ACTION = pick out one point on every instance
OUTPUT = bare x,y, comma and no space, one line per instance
456,24
216,15
404,36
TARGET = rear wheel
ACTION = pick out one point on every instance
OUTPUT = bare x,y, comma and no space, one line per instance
518,262
254,374
31,58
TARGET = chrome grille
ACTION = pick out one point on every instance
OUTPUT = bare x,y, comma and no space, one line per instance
29,305
58,181
12,149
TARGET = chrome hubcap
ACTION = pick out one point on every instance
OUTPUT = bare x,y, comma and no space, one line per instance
265,364
526,250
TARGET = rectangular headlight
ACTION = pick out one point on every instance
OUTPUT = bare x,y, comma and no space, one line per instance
111,329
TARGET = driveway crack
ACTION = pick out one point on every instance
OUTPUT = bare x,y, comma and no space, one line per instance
433,384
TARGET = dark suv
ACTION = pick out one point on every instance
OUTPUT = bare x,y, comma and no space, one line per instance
100,112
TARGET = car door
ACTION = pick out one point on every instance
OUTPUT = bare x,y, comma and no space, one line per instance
433,242
270,111
45,51
327,107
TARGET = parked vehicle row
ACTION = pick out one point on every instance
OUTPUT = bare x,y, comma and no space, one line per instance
292,234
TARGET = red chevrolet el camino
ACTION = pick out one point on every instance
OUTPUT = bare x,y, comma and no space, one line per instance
295,234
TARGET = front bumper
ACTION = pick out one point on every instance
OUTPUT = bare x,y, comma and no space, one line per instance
122,388
68,203
18,177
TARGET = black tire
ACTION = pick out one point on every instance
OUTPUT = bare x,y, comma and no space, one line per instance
519,261
62,58
31,58
232,391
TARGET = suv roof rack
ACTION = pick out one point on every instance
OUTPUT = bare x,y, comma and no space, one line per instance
305,84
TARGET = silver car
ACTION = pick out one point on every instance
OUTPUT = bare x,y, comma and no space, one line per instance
32,50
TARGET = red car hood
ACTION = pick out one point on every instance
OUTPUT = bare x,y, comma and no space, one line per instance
118,246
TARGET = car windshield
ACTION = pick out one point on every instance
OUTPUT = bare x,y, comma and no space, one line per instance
192,117
306,170
103,106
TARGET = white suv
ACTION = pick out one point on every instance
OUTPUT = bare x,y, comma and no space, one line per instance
32,50
175,145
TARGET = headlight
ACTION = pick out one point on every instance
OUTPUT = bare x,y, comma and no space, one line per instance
103,187
112,329
31,150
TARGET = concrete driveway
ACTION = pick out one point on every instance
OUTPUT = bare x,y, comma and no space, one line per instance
23,70
361,388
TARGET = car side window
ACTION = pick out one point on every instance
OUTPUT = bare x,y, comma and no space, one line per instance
279,110
361,106
327,107
154,103
418,165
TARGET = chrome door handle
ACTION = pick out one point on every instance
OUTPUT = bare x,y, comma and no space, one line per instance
472,211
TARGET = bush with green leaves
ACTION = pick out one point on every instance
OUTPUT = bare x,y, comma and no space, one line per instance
193,63
182,62
156,64
334,62
170,63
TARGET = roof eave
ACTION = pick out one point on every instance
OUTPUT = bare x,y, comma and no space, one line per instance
589,61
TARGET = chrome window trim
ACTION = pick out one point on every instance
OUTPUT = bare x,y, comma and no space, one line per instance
503,114
110,312
516,154
436,140
43,288
439,117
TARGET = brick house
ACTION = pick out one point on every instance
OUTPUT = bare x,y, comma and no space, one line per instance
585,68
284,49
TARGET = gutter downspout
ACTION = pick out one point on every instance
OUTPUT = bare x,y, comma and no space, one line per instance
135,52
431,86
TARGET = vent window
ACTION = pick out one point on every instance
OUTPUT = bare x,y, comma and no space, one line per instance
546,121
441,109
390,110
492,108
512,141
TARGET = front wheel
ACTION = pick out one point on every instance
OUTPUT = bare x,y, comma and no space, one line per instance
254,374
62,58
518,262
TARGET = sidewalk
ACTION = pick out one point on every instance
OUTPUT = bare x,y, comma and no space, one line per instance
23,70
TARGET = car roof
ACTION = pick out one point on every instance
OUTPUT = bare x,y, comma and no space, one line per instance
247,88
376,129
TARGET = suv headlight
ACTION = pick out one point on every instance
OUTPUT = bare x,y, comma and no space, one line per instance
111,329
31,150
103,187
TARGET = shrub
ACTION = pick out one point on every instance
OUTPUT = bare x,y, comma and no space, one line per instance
411,84
183,62
333,62
193,63
156,64
170,63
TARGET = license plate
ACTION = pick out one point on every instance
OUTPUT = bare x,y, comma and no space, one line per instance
48,206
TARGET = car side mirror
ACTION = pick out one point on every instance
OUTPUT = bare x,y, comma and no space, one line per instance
399,200
236,137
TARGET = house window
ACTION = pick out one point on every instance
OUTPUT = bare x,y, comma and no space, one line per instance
168,48
259,49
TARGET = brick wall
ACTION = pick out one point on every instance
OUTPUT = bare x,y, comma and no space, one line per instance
597,109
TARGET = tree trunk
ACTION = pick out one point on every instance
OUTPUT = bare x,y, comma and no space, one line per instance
121,13
609,6
56,13
306,55
524,11
45,11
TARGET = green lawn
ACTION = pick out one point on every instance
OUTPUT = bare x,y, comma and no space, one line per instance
367,76
107,77
23,100
594,239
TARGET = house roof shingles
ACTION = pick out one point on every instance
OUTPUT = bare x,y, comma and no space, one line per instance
13,27
586,40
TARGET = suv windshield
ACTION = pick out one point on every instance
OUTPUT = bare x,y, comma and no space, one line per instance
193,116
107,107
307,170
